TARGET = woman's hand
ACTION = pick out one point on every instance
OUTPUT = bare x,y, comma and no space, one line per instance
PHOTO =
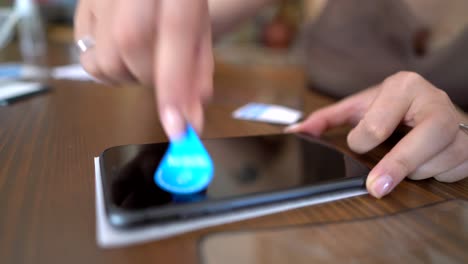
160,43
435,147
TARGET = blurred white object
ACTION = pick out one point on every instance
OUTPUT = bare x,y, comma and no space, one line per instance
71,72
25,14
17,71
33,44
8,19
268,113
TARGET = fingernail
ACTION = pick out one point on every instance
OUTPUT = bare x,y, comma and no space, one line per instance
382,186
292,128
173,123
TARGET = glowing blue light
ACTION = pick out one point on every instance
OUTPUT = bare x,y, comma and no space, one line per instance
186,168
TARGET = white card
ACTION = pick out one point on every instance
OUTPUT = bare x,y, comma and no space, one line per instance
268,113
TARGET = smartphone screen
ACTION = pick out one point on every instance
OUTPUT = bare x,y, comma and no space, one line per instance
248,171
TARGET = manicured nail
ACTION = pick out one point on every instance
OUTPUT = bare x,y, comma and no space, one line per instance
292,128
382,186
173,123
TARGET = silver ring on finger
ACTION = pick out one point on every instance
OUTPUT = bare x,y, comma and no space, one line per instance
85,43
463,127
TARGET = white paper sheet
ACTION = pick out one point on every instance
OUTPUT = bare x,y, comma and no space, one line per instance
71,72
109,237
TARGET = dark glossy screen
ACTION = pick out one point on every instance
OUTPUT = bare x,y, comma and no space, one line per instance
243,166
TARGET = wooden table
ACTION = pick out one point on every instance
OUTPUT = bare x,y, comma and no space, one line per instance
47,145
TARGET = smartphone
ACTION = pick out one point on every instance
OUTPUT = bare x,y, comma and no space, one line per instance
249,171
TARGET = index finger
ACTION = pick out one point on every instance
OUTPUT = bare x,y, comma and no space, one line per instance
179,32
84,26
428,138
347,111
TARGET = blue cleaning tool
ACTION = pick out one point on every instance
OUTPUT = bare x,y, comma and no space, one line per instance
186,168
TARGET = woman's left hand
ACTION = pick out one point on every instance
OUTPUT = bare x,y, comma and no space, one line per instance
435,146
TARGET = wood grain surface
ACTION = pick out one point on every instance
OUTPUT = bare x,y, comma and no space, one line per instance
47,145
435,233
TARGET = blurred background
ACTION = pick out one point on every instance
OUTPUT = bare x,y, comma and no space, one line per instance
55,11
268,38
273,35
340,46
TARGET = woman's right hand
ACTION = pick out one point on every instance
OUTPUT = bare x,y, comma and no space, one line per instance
161,43
435,146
